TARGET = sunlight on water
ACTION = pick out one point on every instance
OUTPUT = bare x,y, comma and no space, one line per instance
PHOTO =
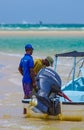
50,128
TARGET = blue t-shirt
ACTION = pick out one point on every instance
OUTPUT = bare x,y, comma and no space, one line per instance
26,63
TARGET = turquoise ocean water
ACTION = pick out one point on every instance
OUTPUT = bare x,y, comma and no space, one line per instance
44,45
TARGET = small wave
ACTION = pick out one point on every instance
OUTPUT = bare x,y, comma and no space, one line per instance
1,66
15,81
10,54
82,28
26,26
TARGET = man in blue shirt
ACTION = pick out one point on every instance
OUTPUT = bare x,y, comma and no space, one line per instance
26,68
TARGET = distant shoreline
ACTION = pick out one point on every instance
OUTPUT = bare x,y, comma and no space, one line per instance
41,33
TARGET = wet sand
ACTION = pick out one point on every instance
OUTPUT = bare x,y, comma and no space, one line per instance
11,107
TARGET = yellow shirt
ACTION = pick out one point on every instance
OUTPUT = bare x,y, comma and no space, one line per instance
38,65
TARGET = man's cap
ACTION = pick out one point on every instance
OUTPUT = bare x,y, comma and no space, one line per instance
50,60
28,46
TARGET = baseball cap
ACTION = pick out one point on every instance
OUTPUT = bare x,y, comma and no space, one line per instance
28,46
50,60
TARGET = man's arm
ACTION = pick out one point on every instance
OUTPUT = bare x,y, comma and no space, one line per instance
20,70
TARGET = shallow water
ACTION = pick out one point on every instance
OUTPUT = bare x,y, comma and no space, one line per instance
13,119
43,45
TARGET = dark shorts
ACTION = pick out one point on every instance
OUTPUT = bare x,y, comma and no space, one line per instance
27,88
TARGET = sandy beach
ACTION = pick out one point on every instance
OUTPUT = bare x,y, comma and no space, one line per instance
41,33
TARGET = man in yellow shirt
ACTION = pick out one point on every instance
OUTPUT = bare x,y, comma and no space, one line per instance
41,63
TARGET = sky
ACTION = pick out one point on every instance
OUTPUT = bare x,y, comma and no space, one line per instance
47,11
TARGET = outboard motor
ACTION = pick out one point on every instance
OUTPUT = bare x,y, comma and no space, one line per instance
49,85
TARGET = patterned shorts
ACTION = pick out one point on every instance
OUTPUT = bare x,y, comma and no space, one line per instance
27,88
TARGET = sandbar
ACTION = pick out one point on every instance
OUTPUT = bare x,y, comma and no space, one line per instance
41,33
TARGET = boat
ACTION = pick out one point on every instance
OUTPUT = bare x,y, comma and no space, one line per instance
74,88
60,96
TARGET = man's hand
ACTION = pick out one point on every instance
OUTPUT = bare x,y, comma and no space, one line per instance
34,85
